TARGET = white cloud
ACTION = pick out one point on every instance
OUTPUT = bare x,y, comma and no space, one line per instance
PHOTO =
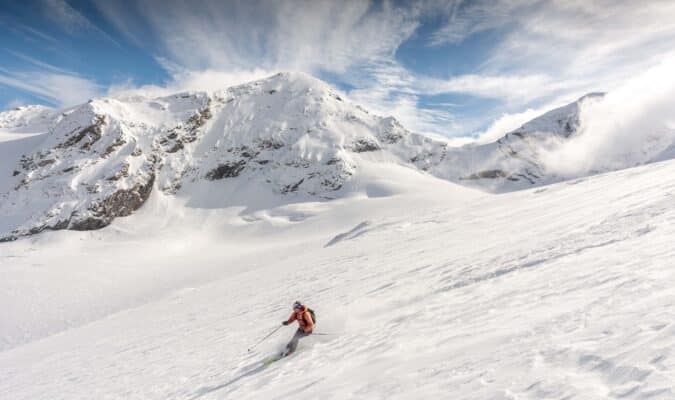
405,107
632,124
72,20
62,12
189,80
386,88
37,63
389,89
507,123
125,20
26,32
308,36
57,89
521,88
597,42
466,18
208,79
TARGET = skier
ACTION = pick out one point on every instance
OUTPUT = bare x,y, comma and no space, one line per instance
305,319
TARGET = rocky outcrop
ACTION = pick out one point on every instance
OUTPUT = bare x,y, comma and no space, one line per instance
85,137
226,171
364,145
121,203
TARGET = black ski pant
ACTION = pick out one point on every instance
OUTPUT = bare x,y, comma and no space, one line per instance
293,344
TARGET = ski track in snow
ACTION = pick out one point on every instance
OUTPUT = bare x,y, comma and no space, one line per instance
557,293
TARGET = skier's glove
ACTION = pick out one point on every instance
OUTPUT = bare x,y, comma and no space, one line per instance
284,323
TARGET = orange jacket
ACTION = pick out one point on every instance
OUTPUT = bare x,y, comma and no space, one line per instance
304,319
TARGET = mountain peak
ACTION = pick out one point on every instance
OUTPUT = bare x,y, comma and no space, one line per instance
289,134
295,76
295,82
562,121
592,95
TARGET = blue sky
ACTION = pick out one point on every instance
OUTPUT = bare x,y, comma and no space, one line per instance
455,68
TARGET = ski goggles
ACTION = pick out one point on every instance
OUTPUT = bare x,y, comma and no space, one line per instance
297,306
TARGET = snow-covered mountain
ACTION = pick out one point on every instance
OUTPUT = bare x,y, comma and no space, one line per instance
281,190
513,162
290,135
101,160
27,118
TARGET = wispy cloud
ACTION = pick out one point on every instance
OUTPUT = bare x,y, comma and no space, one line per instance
390,88
72,20
317,35
541,53
506,87
507,123
387,88
55,88
126,20
188,80
466,18
37,63
28,33
600,41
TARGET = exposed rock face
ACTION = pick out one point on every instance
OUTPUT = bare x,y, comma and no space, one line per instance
489,174
226,171
81,177
362,146
87,136
119,204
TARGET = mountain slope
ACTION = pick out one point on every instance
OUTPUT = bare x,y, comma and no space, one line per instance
513,162
101,160
560,292
28,119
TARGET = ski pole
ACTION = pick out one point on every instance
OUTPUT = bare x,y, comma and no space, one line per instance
263,339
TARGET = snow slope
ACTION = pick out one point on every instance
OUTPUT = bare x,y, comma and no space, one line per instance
21,131
427,291
28,119
247,199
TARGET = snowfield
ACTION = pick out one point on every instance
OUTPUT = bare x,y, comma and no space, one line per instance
146,244
430,290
